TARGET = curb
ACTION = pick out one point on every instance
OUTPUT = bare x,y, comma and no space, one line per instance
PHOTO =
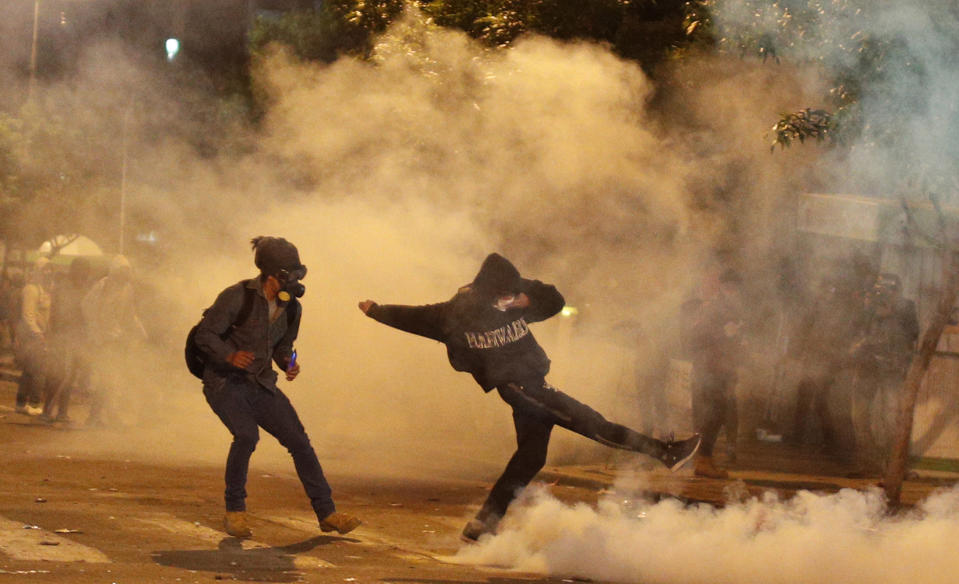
566,479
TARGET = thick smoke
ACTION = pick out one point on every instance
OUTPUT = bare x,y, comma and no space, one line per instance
395,178
904,52
810,539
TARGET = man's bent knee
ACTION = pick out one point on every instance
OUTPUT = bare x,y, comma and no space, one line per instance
245,442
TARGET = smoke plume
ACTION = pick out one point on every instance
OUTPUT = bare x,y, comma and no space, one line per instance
395,178
812,538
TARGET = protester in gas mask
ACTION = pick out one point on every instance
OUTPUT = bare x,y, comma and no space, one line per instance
239,382
883,354
485,328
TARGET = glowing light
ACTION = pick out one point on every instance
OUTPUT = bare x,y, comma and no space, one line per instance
172,48
569,311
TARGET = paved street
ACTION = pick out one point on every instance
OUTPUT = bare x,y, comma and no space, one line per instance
67,515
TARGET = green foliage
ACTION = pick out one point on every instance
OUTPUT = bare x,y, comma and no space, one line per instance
645,30
50,171
801,125
340,27
311,35
495,22
10,142
871,61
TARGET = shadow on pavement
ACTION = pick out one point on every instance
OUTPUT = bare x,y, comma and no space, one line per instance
265,564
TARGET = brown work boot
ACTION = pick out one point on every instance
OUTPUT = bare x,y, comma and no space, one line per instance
235,523
341,523
706,468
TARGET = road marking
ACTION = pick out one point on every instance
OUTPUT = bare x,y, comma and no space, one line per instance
26,542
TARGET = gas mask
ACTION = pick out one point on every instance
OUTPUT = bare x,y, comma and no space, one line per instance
290,285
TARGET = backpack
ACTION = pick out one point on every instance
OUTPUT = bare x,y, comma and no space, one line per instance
195,357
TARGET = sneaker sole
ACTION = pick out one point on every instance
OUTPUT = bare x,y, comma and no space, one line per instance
679,463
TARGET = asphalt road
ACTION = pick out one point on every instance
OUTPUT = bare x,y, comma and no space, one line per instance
70,512
69,517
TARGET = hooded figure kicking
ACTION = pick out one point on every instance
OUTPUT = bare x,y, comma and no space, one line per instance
485,328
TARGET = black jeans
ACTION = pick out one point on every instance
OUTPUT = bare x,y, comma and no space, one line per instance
244,407
537,407
32,357
714,406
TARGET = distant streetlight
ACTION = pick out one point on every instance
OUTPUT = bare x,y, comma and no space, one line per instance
172,48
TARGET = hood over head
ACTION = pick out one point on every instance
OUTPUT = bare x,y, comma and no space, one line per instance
496,275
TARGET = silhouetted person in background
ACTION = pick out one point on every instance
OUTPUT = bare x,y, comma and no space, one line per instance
485,328
824,336
114,329
31,337
883,354
11,287
70,365
649,365
716,346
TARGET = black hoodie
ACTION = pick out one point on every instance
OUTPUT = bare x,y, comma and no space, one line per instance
492,343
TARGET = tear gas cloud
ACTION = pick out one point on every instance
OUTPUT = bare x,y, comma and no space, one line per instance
908,105
812,538
394,180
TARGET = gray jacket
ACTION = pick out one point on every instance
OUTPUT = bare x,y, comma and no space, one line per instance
268,341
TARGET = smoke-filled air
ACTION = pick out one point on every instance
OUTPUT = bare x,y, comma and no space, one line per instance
809,539
396,176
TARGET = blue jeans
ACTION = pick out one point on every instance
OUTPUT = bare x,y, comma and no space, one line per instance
244,407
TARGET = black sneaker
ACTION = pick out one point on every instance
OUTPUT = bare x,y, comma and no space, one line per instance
475,529
676,454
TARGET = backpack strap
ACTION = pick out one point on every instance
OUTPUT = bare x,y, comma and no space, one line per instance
247,307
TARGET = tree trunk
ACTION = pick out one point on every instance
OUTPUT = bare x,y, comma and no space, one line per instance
896,471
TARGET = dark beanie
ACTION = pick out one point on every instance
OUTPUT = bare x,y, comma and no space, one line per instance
274,254
496,275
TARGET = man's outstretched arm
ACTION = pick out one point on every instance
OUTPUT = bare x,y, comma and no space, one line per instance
425,321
